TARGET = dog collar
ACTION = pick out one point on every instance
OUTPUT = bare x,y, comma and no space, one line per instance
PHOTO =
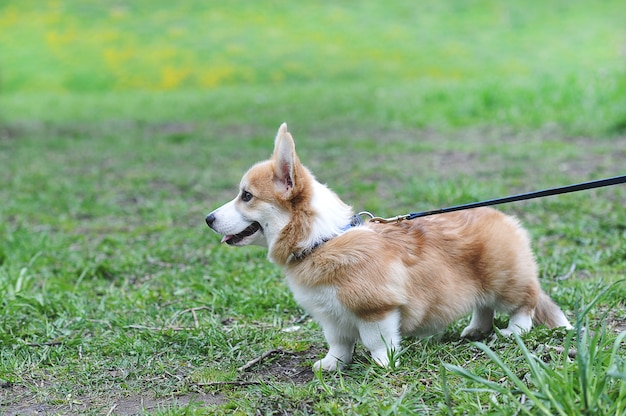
356,221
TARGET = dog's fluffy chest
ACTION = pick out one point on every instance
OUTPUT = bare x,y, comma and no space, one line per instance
320,301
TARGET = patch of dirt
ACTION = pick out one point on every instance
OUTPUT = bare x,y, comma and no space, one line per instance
618,324
19,400
137,404
285,366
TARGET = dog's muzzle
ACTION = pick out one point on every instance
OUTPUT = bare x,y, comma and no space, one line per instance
234,239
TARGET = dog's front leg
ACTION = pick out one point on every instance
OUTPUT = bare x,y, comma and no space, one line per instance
382,337
341,343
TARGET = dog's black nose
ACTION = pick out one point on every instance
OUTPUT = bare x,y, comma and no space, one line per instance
210,219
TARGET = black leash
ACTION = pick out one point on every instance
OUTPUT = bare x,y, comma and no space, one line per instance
520,197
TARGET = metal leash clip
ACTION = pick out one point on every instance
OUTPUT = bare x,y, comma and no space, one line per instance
380,220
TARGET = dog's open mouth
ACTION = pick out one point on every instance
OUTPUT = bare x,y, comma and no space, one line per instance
237,238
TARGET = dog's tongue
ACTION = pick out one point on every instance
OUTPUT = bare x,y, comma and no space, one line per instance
226,238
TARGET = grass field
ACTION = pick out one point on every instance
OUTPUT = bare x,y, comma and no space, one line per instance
122,125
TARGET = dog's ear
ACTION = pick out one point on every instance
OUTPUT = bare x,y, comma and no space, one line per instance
285,160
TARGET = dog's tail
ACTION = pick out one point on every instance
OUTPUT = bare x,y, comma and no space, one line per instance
548,313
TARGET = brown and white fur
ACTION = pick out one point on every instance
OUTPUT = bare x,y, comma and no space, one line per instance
378,282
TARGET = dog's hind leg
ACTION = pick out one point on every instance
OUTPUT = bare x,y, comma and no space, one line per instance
382,338
520,321
480,325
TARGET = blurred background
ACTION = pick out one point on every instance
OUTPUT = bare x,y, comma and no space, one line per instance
397,63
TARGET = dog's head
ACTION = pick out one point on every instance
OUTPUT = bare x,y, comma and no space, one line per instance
267,195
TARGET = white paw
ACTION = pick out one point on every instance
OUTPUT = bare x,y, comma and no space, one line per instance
328,364
506,332
383,358
382,361
473,333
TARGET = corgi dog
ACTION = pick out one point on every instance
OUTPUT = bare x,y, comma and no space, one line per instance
376,282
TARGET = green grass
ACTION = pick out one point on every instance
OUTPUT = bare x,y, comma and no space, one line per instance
444,65
574,387
121,126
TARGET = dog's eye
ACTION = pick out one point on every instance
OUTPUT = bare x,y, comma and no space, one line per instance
246,196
